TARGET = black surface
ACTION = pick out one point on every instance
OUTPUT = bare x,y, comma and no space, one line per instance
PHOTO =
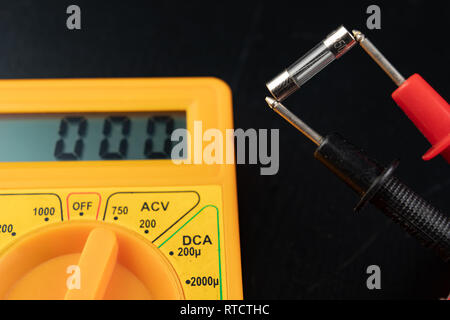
299,236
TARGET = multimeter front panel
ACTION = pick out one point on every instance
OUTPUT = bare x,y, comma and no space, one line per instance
123,177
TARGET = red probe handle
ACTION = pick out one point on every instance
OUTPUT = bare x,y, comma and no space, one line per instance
429,112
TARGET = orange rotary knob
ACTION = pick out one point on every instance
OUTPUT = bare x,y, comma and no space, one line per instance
86,260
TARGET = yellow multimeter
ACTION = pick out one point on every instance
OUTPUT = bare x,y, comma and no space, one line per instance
92,205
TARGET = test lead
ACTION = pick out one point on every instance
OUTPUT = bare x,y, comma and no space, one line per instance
377,185
420,102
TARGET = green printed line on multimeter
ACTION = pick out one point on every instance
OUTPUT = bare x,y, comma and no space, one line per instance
218,241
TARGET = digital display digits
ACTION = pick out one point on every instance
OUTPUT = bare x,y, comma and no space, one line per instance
88,137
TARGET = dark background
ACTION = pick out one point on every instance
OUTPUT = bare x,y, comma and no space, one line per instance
299,235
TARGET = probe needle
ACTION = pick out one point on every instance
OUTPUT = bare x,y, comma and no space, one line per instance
294,120
378,57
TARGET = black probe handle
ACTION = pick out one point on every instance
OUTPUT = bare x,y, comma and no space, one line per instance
377,185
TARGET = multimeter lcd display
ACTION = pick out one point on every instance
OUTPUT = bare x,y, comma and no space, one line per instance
90,136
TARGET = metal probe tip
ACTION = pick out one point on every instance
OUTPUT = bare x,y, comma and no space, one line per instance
271,102
359,36
378,57
294,120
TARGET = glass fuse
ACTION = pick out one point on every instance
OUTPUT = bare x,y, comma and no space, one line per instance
291,79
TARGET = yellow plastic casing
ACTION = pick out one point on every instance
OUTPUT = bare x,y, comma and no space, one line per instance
58,184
